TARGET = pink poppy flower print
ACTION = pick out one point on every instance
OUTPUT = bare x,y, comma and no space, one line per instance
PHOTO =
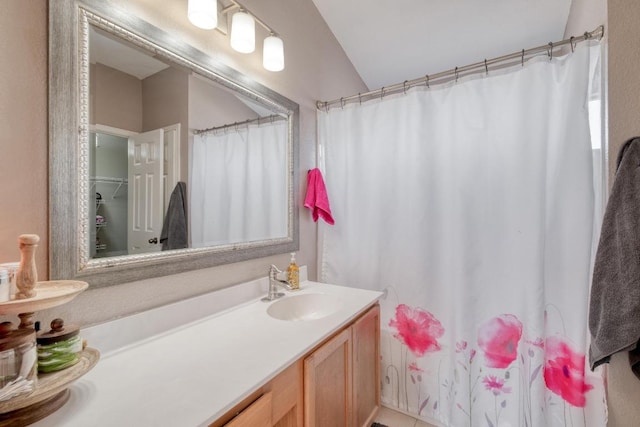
498,338
564,372
461,346
495,385
418,329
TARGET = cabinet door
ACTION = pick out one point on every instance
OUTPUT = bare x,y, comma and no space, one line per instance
287,397
327,384
366,367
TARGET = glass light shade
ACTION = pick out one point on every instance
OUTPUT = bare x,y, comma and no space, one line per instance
243,32
273,54
203,13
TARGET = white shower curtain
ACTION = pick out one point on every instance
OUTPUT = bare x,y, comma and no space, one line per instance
239,185
473,206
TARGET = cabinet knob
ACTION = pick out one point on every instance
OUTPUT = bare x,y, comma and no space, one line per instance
153,241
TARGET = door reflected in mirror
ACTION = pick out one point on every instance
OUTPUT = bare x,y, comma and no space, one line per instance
177,160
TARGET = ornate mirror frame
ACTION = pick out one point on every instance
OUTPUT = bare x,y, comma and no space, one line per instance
69,256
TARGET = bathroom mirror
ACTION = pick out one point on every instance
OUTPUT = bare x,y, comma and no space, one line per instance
147,132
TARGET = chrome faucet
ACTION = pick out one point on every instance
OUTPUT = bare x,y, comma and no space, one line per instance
273,284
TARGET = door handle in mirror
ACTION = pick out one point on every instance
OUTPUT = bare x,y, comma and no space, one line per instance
153,241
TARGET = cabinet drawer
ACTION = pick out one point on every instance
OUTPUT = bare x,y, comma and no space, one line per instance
258,414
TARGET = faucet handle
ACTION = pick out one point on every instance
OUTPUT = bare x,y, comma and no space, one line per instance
274,271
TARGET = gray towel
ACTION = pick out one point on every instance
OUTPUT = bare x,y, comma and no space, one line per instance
614,308
174,229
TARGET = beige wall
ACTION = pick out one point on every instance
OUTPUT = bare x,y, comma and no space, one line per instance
316,68
211,105
23,128
624,78
165,102
165,99
116,99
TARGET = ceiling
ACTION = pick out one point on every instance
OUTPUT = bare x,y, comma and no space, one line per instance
390,41
106,50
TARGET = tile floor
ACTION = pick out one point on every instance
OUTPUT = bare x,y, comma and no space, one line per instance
392,418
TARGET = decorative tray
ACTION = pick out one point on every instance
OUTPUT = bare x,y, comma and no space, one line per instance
49,294
50,384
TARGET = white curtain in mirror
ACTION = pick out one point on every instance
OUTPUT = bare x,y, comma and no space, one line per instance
473,205
239,187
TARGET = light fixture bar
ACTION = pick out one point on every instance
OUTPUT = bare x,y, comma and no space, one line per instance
242,32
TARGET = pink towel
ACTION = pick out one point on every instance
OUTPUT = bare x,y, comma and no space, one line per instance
317,199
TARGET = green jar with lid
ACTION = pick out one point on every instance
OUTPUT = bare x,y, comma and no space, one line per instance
58,348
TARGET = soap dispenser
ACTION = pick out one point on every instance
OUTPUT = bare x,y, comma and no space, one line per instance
293,273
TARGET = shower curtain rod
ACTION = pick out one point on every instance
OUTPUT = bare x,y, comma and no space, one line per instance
457,72
260,120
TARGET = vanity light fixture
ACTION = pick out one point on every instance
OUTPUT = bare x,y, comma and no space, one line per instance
243,30
203,13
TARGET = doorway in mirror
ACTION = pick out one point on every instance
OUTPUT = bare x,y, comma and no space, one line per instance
109,188
131,173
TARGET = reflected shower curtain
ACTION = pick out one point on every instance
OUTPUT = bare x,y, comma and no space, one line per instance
472,205
239,185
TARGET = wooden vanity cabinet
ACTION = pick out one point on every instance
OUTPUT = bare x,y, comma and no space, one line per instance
342,376
336,385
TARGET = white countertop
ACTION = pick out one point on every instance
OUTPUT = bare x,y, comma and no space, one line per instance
193,374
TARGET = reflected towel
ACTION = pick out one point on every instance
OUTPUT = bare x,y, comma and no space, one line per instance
317,199
174,229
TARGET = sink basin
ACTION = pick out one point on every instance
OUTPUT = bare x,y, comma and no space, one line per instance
304,307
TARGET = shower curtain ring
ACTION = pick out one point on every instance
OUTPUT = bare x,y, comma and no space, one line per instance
427,80
404,86
342,103
359,98
550,51
456,71
326,106
382,93
522,61
486,68
571,43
